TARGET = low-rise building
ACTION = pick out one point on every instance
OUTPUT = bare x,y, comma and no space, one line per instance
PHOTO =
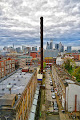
67,89
59,61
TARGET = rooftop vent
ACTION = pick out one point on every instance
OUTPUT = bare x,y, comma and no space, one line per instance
14,83
3,89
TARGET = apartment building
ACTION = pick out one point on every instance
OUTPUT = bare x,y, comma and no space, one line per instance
67,89
6,66
76,56
16,95
49,60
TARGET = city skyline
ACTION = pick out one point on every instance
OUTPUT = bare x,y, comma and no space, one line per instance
20,22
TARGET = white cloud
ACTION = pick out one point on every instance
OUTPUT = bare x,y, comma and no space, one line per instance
21,18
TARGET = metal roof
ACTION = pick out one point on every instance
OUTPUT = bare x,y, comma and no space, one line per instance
69,81
32,116
37,92
36,96
33,109
34,105
35,102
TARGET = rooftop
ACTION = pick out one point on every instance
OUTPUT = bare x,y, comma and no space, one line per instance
18,81
7,99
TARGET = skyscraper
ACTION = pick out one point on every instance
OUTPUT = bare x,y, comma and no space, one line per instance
34,48
62,50
57,46
51,44
48,46
23,47
68,49
18,50
60,47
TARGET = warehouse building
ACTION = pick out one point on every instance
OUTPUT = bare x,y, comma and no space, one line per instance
17,95
67,89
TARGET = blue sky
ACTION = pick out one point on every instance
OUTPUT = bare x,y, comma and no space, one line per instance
20,22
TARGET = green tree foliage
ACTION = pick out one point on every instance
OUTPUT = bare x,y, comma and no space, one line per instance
67,64
76,73
44,64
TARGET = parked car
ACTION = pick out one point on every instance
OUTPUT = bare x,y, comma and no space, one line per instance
50,79
52,89
53,95
51,83
55,106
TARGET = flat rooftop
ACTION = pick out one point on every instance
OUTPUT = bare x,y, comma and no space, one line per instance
18,81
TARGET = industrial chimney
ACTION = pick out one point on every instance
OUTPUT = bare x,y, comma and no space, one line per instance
41,38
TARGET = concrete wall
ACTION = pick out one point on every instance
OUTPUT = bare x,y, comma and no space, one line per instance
71,91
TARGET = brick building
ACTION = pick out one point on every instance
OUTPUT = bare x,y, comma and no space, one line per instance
6,66
35,54
17,94
49,60
76,56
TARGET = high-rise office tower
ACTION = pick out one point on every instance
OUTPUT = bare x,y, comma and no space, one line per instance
60,47
62,50
57,46
18,50
68,49
48,46
51,44
23,47
34,48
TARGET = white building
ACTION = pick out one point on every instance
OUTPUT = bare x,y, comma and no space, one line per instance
73,97
59,61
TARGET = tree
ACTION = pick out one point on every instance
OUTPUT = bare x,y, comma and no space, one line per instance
69,64
76,73
44,64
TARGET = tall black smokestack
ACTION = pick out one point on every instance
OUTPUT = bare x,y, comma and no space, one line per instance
41,37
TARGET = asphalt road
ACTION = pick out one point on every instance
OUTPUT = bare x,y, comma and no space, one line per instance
49,100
